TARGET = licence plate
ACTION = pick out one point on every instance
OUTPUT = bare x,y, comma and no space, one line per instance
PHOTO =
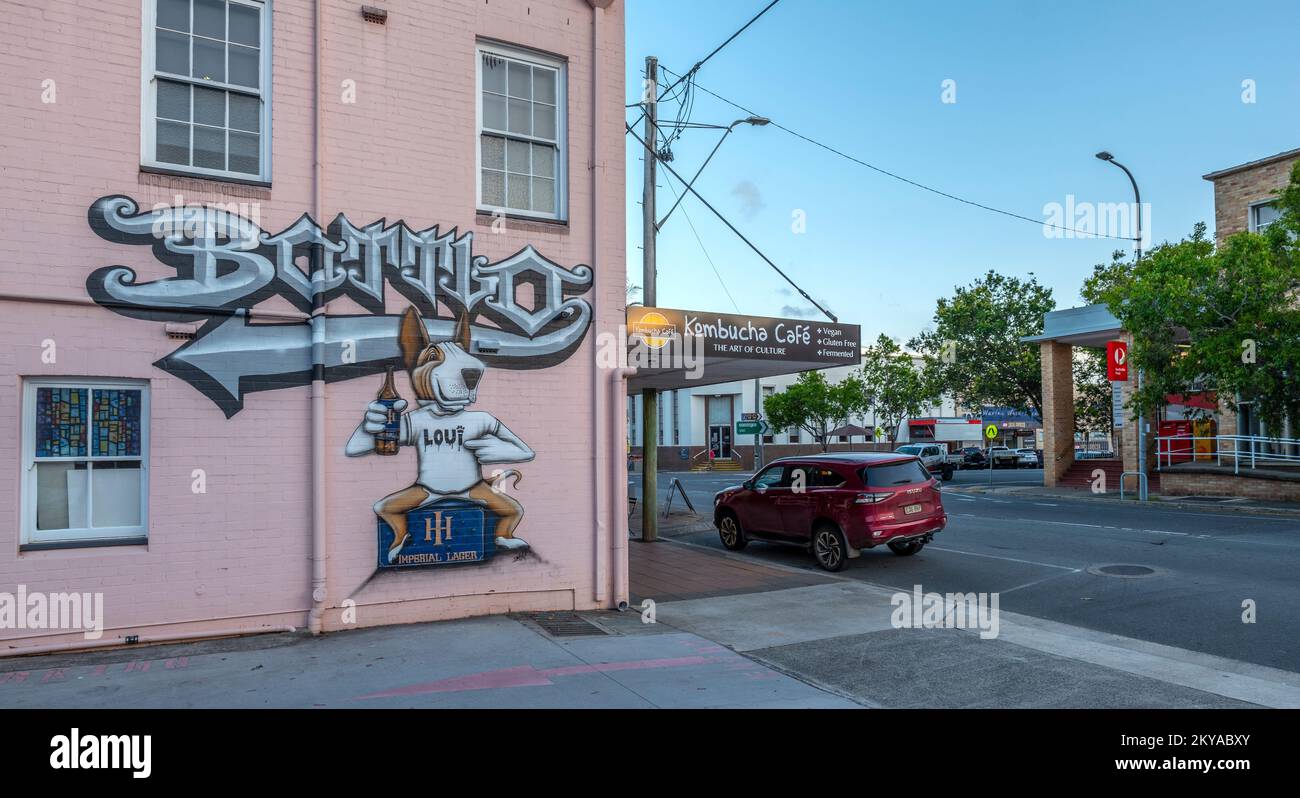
912,509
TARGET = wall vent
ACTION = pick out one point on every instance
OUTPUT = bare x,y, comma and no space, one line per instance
376,15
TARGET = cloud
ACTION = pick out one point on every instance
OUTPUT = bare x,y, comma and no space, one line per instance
807,312
751,199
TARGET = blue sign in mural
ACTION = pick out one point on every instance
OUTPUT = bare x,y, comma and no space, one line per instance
448,533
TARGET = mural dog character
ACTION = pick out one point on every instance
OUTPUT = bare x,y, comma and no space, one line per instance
452,443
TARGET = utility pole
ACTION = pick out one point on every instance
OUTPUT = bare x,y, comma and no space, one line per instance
758,436
649,396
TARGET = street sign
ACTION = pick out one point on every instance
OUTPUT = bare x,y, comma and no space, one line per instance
1117,404
1117,361
749,416
991,431
759,427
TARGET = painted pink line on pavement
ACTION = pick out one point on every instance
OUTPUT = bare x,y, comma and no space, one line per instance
528,676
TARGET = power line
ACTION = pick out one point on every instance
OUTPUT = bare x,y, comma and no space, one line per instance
909,181
733,229
703,249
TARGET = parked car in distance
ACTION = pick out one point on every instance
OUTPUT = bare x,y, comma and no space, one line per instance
934,457
1003,457
973,457
848,502
1027,458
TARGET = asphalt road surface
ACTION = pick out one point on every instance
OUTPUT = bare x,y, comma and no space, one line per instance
1044,555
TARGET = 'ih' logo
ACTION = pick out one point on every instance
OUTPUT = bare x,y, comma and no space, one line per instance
435,528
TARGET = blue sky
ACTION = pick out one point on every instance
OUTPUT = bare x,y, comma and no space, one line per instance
1040,87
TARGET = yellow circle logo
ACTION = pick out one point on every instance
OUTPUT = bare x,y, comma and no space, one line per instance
654,329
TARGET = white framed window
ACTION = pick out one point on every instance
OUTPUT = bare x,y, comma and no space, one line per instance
85,460
206,93
1263,214
522,130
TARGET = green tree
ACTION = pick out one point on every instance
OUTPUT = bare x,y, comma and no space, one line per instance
813,404
1092,392
974,351
1216,318
892,385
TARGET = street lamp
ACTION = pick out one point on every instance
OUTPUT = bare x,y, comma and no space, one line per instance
756,121
1142,420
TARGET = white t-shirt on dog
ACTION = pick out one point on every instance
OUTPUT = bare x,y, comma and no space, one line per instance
445,465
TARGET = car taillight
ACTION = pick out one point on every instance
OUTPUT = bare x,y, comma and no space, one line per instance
872,498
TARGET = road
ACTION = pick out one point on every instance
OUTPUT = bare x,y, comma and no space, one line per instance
1042,555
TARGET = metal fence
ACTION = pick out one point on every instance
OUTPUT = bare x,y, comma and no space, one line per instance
1243,451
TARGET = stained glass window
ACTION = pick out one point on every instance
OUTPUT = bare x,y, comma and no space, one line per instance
117,423
61,422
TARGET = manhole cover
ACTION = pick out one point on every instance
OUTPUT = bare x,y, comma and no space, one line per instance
1128,571
564,624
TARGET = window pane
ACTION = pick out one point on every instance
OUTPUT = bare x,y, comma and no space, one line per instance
115,494
210,18
116,424
544,121
517,156
61,495
494,74
544,85
209,106
173,100
543,195
494,112
243,66
543,160
209,148
494,152
494,188
209,60
61,422
517,192
173,143
174,14
521,117
172,52
245,112
244,26
521,81
245,153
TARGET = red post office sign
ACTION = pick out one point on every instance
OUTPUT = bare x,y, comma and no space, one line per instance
1117,361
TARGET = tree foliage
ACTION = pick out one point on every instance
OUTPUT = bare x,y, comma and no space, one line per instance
1225,318
974,351
1092,392
892,385
813,404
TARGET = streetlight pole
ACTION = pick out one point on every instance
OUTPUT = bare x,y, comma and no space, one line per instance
757,121
649,396
1142,419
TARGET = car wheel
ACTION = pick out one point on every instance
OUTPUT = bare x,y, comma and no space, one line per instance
730,533
829,547
906,548
947,475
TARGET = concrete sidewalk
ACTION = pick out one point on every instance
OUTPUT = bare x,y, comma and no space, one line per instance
615,661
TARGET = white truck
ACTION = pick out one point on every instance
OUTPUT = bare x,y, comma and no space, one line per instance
1003,457
935,458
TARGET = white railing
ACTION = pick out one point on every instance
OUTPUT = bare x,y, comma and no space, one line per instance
1245,451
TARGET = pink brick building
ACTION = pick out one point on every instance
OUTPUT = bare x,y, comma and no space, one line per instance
203,287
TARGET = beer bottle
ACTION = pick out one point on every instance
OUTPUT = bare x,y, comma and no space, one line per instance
388,440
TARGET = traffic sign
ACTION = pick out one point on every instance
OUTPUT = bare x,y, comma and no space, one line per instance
991,431
759,427
749,416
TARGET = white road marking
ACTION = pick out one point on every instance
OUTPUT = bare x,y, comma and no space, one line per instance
1008,559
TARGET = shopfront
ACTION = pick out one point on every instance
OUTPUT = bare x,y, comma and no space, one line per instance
311,349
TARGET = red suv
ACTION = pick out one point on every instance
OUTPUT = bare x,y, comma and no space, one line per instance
835,504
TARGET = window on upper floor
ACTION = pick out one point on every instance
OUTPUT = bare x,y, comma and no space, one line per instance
522,129
1264,214
206,101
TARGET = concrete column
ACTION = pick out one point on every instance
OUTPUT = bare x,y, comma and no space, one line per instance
1058,410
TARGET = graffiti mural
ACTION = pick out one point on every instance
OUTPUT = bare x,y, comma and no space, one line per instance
445,515
226,264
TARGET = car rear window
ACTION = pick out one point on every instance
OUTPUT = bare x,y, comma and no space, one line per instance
894,474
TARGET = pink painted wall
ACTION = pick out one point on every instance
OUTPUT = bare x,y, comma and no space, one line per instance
239,556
